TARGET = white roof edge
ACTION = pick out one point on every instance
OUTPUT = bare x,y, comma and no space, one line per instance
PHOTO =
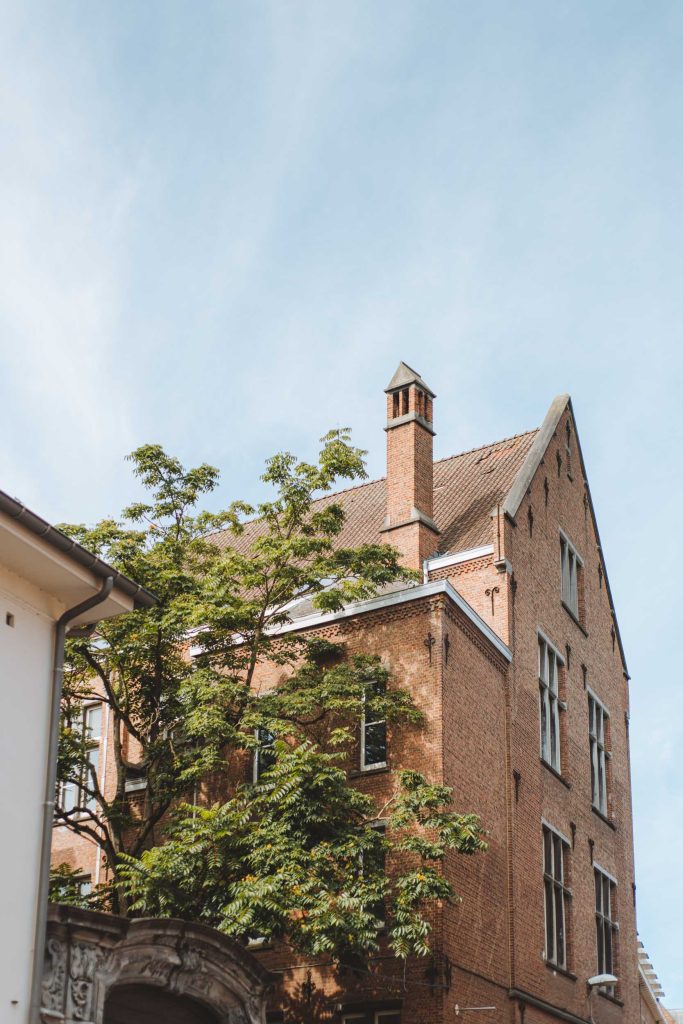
401,597
648,985
526,472
456,557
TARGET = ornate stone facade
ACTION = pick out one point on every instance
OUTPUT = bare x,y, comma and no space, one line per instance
88,956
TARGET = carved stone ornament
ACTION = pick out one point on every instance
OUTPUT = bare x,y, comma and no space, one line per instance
89,954
54,977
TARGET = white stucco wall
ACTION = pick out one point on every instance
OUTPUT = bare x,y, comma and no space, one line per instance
26,652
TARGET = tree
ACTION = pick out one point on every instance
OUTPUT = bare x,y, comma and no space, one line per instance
298,854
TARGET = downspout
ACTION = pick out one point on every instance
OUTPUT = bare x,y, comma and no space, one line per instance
50,786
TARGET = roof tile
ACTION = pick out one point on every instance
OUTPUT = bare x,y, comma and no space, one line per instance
467,487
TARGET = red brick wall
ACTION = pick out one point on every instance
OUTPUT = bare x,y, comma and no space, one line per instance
535,561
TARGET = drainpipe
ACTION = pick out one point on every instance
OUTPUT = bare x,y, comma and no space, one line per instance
50,786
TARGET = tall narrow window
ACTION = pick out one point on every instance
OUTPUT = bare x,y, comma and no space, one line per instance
88,723
605,925
557,894
598,725
571,565
549,662
373,739
264,754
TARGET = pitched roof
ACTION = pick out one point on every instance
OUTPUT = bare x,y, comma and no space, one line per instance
406,375
467,487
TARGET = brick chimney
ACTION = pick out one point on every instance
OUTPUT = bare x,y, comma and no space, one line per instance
410,468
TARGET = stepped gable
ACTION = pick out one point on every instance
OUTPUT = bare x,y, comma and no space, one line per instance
467,487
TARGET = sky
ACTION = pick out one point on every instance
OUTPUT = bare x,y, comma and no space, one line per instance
222,225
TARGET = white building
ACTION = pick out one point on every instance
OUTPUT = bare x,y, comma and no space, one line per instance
48,585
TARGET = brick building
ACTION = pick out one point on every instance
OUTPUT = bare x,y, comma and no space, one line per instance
511,648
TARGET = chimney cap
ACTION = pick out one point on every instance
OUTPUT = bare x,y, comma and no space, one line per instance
404,376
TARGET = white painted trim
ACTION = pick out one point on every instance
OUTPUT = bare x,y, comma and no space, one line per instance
549,642
609,874
401,597
591,692
565,536
527,470
557,832
442,561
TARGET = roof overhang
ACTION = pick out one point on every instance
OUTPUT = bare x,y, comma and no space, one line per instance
64,572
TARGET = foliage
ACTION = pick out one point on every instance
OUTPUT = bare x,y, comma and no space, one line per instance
67,887
300,857
187,710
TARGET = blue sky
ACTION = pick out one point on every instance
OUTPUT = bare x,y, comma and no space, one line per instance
223,224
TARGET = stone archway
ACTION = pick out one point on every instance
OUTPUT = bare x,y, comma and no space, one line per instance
97,965
142,1004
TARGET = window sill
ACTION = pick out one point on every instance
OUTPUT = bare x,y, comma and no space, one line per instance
554,771
612,999
575,619
560,970
361,773
603,817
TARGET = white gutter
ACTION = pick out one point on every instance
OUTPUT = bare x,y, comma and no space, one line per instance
397,598
443,561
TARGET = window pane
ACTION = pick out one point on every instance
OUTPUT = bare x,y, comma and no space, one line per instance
608,949
559,926
600,945
549,920
375,749
547,853
93,760
93,722
545,753
542,656
68,798
555,736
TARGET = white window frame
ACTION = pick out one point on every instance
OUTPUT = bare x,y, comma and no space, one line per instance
598,719
550,703
364,725
81,801
371,1017
570,563
256,769
556,895
606,927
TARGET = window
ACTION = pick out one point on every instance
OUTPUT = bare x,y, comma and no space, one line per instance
264,754
136,778
571,566
88,722
598,725
373,1017
605,925
373,739
83,886
557,895
549,662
